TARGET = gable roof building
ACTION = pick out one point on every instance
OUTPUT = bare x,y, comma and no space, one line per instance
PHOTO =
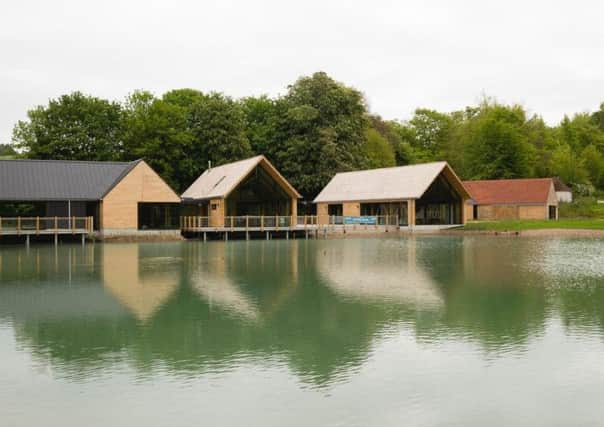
250,187
396,183
121,197
529,198
220,181
429,193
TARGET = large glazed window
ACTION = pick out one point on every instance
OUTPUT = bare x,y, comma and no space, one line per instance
441,204
158,216
259,194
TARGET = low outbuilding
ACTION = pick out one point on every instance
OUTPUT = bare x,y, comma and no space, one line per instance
505,199
421,194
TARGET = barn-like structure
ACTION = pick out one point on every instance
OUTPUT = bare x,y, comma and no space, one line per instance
422,194
115,198
248,188
532,198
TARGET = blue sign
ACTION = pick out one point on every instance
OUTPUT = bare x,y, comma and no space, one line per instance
362,220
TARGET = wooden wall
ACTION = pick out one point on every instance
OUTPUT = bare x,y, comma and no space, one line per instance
217,209
119,208
351,209
503,212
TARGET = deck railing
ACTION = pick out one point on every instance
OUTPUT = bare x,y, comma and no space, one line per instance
45,225
289,222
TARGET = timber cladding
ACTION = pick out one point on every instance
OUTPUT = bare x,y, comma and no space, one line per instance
351,209
119,207
502,212
217,213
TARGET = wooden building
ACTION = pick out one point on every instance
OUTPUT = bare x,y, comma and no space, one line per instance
512,199
119,198
422,194
248,188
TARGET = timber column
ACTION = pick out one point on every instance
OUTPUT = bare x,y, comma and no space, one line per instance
294,203
322,213
411,213
351,209
464,217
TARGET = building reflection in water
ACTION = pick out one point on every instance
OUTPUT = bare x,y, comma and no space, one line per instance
316,307
140,282
387,273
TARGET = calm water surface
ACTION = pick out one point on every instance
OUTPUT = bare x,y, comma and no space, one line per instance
469,331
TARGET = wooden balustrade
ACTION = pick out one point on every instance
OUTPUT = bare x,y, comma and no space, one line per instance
278,222
46,225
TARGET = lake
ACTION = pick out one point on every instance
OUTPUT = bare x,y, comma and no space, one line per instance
456,331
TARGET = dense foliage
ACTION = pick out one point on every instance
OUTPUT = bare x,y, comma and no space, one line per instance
317,128
7,151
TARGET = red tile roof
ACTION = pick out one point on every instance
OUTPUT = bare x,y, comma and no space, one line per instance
510,191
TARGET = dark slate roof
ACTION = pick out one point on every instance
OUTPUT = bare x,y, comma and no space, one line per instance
559,185
45,180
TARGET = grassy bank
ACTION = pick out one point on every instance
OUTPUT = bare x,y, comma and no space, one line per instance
584,213
587,224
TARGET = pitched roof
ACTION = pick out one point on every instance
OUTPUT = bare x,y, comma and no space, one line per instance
559,185
219,181
47,180
397,183
513,191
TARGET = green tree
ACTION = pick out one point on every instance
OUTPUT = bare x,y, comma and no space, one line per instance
184,98
262,124
7,150
598,118
498,146
593,161
432,132
569,166
322,131
217,124
158,132
72,127
579,132
403,152
378,151
541,139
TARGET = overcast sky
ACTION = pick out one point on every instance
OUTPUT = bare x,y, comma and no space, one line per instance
545,55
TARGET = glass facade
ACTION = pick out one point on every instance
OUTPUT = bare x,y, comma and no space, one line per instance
158,216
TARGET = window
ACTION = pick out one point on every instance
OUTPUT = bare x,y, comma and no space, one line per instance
158,216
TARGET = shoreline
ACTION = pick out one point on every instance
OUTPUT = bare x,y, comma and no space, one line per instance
542,232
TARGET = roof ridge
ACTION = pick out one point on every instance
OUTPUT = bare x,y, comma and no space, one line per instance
237,161
394,167
113,162
507,179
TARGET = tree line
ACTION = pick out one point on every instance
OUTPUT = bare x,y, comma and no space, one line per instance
317,128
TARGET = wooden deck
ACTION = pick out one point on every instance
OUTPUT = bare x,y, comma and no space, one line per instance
307,225
45,226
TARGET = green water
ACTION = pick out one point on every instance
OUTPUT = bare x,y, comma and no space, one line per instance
471,331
